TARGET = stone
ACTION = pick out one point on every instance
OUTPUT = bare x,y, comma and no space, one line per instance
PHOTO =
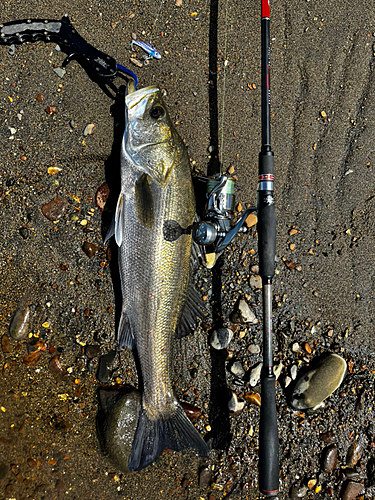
55,209
351,490
89,249
316,384
221,338
329,458
237,369
234,404
205,477
243,314
255,374
255,282
117,422
353,454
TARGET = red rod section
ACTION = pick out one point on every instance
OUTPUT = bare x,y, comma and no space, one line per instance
265,8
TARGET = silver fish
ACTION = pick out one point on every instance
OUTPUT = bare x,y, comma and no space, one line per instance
153,220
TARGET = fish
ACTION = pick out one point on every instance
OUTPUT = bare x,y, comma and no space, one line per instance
152,227
148,48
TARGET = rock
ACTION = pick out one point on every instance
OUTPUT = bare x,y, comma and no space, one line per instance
89,129
287,381
255,282
89,249
277,370
298,492
296,347
253,349
253,398
319,382
329,458
328,437
255,374
55,209
34,353
106,366
205,477
60,72
353,454
92,351
351,490
101,196
243,314
293,372
221,338
237,369
6,346
192,412
19,325
234,404
25,232
57,371
117,422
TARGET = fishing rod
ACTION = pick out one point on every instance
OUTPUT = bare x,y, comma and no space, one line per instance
268,430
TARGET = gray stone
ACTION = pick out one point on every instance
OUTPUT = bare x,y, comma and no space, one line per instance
351,490
234,404
243,314
117,422
319,382
221,338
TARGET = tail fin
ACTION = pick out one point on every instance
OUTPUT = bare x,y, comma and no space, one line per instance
152,437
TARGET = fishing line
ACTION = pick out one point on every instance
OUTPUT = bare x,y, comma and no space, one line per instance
156,18
225,69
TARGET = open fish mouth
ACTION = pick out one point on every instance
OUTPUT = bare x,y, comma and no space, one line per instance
133,98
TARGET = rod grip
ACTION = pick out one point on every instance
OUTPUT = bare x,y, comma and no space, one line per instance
268,439
266,215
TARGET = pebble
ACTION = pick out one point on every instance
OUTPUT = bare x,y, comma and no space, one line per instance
328,437
92,351
243,314
298,491
255,282
253,398
6,346
58,373
293,372
237,369
287,381
234,404
192,412
220,339
19,325
205,477
34,353
296,347
353,454
117,422
60,72
101,196
55,209
89,129
255,374
253,349
50,110
106,366
351,490
135,61
277,370
89,249
25,232
329,458
319,382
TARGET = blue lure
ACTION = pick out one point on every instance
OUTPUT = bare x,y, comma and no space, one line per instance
148,48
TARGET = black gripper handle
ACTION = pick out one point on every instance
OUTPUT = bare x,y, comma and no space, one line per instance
268,440
266,215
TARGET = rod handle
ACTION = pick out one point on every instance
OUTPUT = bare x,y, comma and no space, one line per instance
266,215
268,439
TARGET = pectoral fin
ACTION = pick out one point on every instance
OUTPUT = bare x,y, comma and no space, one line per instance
119,219
144,203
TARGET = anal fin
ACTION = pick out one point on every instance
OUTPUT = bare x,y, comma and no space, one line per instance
125,337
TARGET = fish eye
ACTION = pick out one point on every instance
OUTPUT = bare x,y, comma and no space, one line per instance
157,112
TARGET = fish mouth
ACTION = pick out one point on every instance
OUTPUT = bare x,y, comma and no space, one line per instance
134,98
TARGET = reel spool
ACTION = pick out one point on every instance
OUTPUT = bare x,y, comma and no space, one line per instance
216,229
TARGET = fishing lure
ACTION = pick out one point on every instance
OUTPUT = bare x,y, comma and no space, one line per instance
148,48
